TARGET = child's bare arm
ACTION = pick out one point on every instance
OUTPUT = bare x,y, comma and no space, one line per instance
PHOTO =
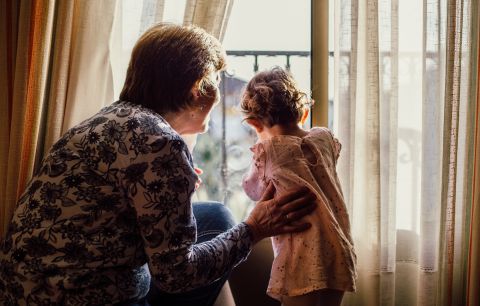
254,182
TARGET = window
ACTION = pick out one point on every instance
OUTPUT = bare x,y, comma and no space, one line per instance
257,37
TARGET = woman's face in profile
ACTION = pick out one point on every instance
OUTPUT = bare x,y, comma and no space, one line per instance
204,105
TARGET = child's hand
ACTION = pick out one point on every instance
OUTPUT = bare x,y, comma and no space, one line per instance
198,171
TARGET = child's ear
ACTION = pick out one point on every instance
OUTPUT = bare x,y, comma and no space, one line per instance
306,111
256,124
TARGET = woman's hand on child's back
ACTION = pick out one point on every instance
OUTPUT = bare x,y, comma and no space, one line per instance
275,216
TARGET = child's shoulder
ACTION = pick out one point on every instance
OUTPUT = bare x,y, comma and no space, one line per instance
276,143
326,136
321,131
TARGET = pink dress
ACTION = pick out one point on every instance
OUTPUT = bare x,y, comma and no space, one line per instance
323,256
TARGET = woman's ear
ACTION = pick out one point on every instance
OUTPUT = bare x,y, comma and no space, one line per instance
256,124
306,111
195,91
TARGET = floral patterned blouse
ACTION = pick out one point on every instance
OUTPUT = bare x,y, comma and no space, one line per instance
109,210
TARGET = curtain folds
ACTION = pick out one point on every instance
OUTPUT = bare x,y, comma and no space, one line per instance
472,241
58,75
90,81
53,66
25,58
406,92
456,157
212,15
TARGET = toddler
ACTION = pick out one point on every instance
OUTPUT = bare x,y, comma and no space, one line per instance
317,266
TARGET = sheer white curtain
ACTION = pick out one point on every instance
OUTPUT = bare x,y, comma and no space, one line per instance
402,99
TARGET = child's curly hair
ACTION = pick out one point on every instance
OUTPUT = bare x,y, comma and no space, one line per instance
273,97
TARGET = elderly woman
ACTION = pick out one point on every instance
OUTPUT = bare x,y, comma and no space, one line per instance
109,212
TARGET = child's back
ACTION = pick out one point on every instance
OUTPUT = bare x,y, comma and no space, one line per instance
323,256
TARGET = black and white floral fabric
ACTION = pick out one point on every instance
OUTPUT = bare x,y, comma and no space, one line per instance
108,211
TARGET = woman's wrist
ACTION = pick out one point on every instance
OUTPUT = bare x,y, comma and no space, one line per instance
252,231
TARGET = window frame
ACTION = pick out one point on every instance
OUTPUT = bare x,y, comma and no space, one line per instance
319,61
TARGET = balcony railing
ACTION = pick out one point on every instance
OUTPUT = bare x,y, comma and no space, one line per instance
256,54
224,153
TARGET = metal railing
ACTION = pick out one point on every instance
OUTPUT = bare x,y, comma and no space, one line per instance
255,54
